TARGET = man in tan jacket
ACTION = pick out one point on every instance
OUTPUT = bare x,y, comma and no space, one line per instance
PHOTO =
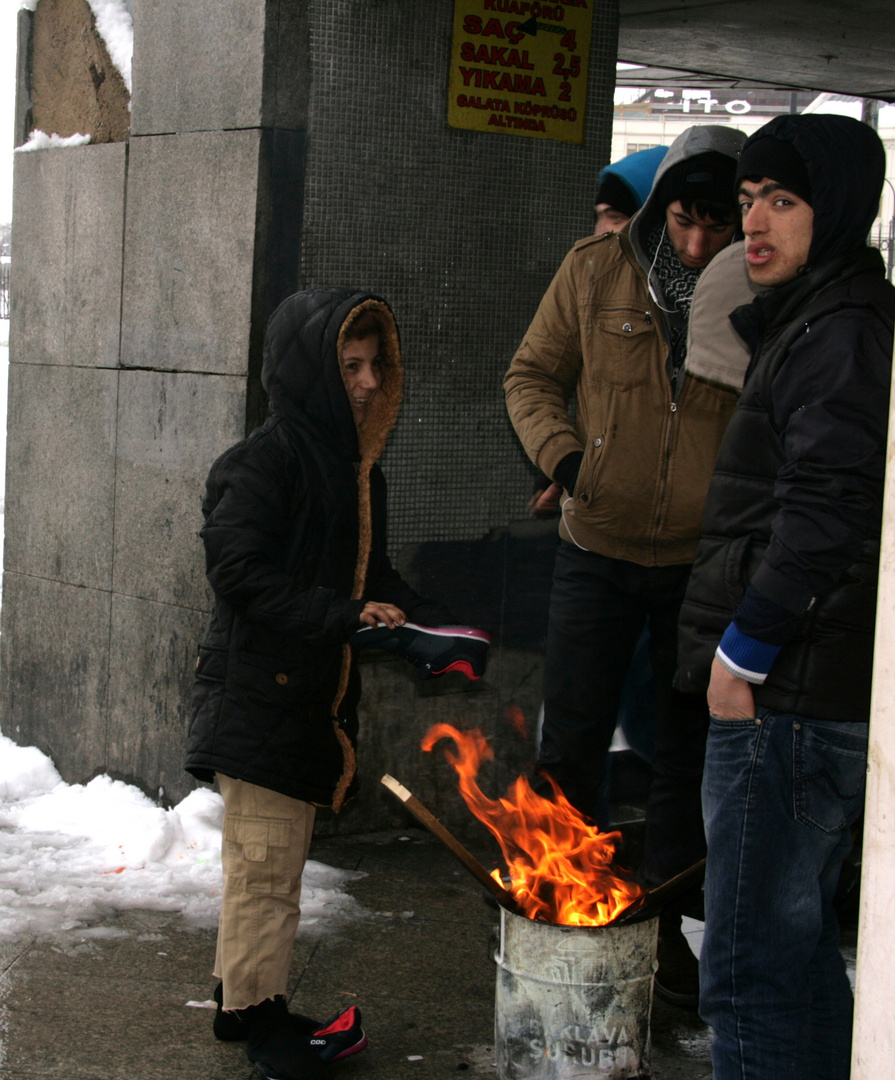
633,469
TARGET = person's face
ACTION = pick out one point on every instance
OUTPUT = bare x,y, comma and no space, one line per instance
608,219
362,374
696,240
778,227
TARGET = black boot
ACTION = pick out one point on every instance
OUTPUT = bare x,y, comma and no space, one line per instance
677,976
277,1051
232,1027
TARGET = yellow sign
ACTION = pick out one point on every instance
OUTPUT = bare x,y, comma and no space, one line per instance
520,68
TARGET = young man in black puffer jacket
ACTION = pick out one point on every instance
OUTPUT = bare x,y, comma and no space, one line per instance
295,553
778,618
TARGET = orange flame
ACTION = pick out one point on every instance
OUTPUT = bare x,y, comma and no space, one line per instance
561,869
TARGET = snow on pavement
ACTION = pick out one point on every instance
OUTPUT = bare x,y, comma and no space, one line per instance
71,855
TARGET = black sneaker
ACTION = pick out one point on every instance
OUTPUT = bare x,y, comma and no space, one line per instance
435,650
340,1037
276,1050
233,1026
278,1054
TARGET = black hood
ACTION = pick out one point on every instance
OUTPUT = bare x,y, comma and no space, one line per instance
301,367
846,166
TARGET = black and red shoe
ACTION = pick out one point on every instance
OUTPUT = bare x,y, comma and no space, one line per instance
341,1037
338,1038
435,650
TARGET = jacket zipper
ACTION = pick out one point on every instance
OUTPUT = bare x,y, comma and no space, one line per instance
676,384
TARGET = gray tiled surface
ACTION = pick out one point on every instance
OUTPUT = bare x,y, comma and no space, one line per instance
419,966
460,230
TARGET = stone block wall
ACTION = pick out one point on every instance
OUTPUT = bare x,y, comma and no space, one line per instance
104,587
274,145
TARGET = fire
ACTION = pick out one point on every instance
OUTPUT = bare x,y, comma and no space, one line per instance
561,869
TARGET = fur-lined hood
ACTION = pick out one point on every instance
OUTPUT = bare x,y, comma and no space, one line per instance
301,371
302,375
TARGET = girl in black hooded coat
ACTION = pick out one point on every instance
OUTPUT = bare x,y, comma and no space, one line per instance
295,553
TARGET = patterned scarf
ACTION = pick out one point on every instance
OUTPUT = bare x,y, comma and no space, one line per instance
677,283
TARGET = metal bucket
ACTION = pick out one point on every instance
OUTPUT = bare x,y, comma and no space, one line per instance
573,1002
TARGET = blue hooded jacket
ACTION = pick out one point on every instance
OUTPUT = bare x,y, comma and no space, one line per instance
636,172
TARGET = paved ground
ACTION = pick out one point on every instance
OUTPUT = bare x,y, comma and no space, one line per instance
111,1003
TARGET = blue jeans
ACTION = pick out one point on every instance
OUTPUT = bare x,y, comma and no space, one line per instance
780,793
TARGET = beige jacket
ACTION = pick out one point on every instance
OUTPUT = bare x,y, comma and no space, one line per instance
648,458
715,351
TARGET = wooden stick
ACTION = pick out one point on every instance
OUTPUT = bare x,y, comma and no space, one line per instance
427,818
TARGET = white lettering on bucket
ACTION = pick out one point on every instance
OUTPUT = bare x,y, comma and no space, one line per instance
585,1052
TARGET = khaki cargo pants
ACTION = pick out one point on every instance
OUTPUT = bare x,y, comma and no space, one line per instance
265,845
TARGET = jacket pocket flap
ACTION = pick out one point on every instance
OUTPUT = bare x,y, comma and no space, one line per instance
211,664
625,324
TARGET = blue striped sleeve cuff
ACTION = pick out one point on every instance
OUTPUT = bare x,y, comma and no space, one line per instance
746,657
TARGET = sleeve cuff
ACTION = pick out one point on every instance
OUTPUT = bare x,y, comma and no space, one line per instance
555,449
746,657
566,472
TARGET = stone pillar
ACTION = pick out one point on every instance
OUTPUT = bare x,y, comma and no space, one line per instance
874,1038
274,145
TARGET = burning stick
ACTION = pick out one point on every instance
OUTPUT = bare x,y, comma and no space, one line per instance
653,900
427,818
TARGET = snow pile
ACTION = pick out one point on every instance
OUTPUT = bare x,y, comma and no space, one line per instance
116,28
39,140
73,854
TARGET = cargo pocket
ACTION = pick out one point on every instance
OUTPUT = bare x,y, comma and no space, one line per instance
258,849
